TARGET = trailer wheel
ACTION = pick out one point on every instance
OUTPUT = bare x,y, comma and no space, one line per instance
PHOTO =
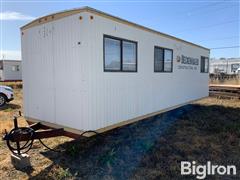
3,100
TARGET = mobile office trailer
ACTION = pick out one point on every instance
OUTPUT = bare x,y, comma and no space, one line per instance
87,70
10,70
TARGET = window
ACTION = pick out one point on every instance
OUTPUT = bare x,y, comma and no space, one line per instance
1,65
163,60
129,56
112,54
15,68
204,64
168,57
158,59
120,55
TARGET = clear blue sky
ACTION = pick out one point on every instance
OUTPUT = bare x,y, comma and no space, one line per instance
207,23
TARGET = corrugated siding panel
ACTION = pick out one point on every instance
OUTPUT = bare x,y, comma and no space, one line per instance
121,96
65,83
56,73
38,73
1,75
71,72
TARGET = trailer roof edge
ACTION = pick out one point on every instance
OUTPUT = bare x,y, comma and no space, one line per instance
62,14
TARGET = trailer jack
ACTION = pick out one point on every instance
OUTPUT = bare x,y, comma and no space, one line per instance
20,139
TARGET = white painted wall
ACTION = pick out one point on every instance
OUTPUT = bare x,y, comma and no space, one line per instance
64,82
9,73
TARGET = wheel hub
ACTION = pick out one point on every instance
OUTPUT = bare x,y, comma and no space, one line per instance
2,100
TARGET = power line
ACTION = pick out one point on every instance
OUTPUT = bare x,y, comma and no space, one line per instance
208,26
229,37
217,39
213,10
182,17
226,47
202,7
196,11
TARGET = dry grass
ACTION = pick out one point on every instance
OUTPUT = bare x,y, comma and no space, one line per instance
210,132
152,149
7,112
228,82
15,85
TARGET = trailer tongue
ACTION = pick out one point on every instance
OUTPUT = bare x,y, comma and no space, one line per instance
20,139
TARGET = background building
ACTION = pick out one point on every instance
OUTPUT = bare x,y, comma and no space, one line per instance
10,70
227,66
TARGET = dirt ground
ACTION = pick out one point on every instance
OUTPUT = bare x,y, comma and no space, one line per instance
207,130
228,82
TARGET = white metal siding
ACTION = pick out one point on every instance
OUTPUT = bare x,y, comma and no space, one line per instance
1,75
118,96
56,74
71,72
38,73
65,83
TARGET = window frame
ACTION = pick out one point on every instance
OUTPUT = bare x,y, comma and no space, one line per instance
121,54
205,57
1,65
15,68
111,70
159,47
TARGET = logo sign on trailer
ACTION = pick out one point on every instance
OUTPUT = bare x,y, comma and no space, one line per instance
188,63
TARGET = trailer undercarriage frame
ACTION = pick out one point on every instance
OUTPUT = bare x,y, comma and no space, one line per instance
20,139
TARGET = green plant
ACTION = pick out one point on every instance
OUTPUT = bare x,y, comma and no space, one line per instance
64,173
73,150
109,157
147,145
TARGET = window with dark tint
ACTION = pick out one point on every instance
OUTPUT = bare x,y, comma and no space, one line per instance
129,56
204,64
1,65
120,55
163,59
112,54
158,59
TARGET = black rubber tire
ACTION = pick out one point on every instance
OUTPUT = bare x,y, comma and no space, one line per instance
2,98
